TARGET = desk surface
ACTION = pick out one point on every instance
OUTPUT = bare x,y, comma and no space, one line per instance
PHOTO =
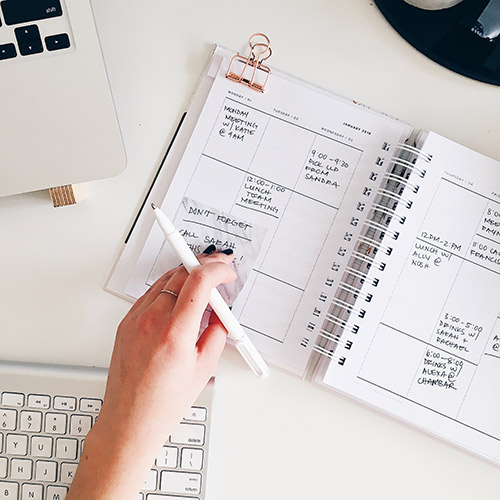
290,439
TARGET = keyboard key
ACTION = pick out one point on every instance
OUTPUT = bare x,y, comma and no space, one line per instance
64,403
16,444
32,492
188,434
3,468
57,42
196,414
39,401
56,492
7,51
8,420
31,421
45,471
90,405
80,425
66,448
41,446
158,496
21,468
68,472
16,12
1,443
12,399
180,482
28,39
192,458
152,479
9,490
55,423
167,457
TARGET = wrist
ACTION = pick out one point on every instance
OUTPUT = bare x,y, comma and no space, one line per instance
110,468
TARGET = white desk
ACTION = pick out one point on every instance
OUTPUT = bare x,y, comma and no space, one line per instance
288,439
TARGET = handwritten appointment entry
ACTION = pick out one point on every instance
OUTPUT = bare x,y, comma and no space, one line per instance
429,351
291,165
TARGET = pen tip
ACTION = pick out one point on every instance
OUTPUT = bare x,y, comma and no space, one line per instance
153,206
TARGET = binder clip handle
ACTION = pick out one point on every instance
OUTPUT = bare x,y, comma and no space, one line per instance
264,48
249,70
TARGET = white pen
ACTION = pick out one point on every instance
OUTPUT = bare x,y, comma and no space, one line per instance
217,303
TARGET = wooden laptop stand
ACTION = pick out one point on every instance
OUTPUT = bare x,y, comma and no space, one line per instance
70,194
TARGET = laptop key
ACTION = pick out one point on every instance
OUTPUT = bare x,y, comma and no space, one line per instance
28,39
7,51
27,11
57,42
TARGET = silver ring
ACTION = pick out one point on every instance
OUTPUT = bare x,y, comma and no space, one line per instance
169,291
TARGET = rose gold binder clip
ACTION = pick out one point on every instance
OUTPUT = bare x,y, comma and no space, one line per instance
249,70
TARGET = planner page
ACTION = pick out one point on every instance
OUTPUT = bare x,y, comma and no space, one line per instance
279,168
428,348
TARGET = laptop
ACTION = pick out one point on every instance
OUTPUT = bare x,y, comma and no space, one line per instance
58,124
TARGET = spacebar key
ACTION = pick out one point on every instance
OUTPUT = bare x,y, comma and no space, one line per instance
25,11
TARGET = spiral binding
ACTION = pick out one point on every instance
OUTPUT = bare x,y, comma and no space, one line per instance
361,275
389,212
416,152
343,324
347,344
344,314
393,177
382,228
368,260
395,196
410,166
352,289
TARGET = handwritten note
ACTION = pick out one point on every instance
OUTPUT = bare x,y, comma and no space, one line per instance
202,226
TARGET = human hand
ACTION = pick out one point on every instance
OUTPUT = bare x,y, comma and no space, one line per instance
158,368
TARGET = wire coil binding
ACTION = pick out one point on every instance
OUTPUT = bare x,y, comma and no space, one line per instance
329,353
393,197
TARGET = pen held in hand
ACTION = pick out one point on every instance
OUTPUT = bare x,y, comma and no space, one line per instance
217,303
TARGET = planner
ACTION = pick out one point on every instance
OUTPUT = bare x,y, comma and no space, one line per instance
367,252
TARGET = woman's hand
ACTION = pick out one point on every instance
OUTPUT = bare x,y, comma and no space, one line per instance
158,368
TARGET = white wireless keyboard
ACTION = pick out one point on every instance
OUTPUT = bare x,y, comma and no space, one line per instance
45,414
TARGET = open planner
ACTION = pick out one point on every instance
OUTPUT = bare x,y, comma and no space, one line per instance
368,253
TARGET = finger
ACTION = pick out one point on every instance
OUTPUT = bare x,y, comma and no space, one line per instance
194,296
164,302
214,319
146,299
150,296
210,346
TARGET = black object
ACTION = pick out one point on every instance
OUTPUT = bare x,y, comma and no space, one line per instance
209,250
26,11
28,39
449,36
7,51
57,42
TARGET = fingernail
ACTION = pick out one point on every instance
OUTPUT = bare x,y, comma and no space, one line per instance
209,250
227,251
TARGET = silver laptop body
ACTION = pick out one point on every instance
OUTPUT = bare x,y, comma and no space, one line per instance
58,124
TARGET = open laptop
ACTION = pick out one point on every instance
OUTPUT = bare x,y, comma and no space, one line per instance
58,124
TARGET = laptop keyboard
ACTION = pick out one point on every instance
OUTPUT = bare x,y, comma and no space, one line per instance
45,414
31,27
